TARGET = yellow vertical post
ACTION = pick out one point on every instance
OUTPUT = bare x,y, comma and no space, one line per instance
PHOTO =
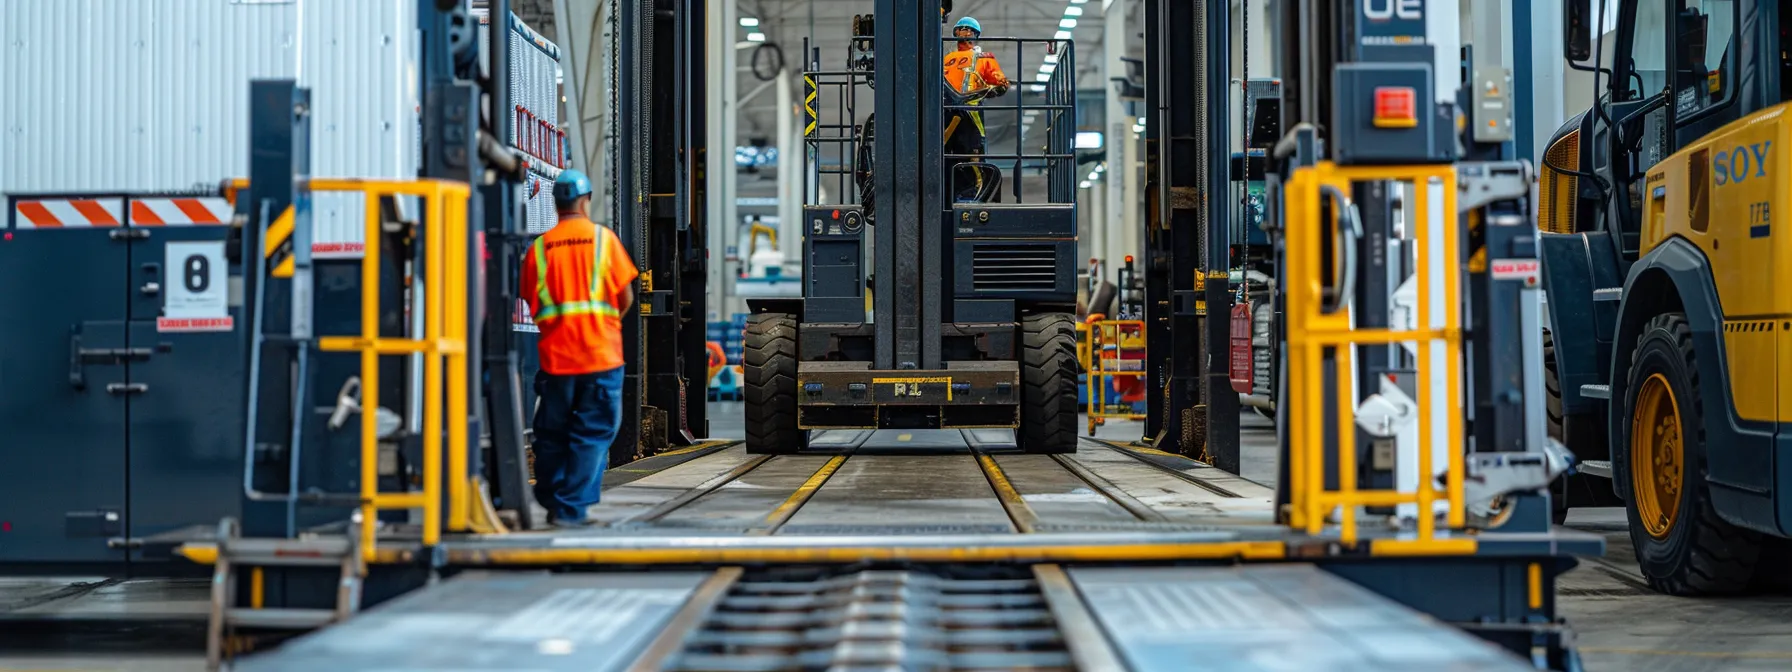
433,288
456,328
1347,497
370,375
1422,234
1453,343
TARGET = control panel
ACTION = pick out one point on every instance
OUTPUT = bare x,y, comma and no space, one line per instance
834,264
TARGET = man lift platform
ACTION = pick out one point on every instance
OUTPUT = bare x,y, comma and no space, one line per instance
898,549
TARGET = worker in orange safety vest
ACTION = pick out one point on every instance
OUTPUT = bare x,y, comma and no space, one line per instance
969,69
579,281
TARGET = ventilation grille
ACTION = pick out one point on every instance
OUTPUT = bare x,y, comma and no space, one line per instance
1012,267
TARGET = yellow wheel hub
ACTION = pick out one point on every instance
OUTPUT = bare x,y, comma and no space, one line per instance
1657,456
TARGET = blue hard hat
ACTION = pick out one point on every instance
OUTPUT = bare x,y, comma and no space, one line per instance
968,22
571,185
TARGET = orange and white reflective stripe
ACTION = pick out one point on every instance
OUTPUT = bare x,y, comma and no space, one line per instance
180,212
56,213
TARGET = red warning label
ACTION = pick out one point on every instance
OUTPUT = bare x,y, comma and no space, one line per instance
195,324
1524,270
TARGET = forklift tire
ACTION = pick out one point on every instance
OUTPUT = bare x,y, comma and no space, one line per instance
769,375
1682,546
1048,384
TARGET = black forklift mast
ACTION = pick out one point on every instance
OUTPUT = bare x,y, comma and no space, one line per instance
1191,406
660,218
908,248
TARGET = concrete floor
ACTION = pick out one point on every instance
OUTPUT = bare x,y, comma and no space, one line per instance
1621,625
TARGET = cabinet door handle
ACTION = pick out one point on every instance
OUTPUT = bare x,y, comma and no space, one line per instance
127,388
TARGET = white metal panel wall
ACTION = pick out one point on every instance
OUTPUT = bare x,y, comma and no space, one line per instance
152,95
534,85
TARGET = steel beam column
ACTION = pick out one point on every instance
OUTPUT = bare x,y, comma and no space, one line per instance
1221,400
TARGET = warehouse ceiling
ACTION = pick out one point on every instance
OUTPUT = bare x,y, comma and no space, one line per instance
828,23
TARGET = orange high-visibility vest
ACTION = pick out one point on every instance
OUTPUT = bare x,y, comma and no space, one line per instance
572,276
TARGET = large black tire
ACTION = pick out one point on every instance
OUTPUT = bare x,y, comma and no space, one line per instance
1698,553
769,374
1048,371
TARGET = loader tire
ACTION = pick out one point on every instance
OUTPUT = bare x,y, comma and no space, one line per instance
1682,546
1048,371
769,372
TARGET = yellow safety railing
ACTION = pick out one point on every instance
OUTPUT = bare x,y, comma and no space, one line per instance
1105,359
443,346
1313,328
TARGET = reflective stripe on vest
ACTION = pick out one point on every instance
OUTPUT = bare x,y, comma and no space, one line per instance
547,309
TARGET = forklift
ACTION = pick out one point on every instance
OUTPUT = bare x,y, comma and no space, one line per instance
971,320
1659,258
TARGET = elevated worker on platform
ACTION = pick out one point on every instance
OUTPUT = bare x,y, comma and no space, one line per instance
579,282
968,70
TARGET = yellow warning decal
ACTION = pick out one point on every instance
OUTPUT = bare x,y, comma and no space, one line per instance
278,244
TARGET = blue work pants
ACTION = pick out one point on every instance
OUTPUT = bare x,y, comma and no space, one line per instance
574,426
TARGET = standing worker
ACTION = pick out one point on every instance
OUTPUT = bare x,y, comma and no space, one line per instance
579,281
968,70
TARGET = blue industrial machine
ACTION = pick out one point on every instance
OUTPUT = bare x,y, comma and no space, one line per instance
971,317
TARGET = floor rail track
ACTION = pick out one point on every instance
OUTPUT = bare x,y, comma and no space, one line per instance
1185,476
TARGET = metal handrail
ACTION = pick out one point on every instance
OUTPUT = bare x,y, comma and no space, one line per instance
1313,327
442,348
1101,335
1057,161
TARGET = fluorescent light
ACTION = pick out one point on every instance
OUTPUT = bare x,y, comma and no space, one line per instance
748,22
1078,2
1067,23
1048,67
1073,10
755,37
1042,77
1093,176
1061,35
1037,88
1088,140
1051,58
1085,184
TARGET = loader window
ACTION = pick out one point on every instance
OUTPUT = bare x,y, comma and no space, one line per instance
1705,31
1648,58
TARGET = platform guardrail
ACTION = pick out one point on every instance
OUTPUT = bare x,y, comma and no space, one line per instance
1319,320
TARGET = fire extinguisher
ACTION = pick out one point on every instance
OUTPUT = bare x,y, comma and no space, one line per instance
1241,346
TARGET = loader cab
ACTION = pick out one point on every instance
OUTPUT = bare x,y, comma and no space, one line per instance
1670,72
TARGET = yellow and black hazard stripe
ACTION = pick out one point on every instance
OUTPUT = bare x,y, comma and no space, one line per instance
277,244
809,94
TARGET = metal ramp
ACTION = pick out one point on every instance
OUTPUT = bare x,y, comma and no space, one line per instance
1261,617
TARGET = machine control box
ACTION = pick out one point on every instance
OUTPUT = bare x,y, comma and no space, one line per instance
834,263
1387,113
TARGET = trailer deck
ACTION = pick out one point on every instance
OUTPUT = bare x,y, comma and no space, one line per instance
943,550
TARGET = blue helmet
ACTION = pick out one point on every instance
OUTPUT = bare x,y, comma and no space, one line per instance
571,185
968,22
